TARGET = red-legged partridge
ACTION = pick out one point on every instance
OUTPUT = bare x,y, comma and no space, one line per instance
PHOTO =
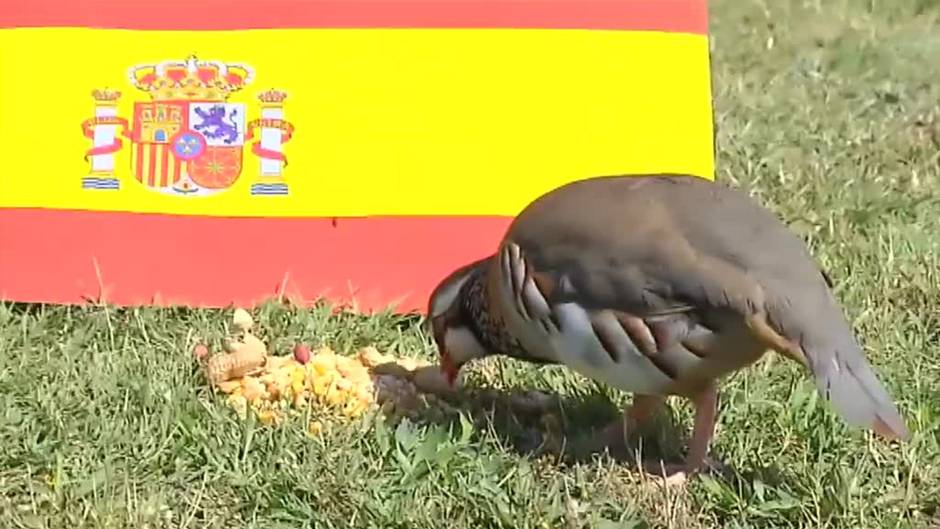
657,285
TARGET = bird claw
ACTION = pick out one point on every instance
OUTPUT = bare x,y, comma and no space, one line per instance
667,475
676,479
662,473
675,474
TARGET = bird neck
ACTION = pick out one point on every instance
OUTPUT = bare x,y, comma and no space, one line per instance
487,325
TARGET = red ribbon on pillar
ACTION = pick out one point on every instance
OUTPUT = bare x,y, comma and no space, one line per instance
88,129
287,130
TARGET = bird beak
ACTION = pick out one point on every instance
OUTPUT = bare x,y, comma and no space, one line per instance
449,369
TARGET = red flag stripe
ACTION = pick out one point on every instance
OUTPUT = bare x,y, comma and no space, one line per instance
689,16
139,259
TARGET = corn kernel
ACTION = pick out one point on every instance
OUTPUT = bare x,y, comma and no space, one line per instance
354,408
239,404
321,386
322,365
335,396
267,417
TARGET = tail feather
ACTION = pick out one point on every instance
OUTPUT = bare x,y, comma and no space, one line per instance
820,337
848,382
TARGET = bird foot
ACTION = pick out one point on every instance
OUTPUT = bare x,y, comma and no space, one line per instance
677,474
667,475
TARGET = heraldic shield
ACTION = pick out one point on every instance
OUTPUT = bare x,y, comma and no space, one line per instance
187,147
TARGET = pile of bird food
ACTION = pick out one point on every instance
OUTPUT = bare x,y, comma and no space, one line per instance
273,387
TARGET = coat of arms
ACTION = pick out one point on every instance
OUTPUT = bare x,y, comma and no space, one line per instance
188,139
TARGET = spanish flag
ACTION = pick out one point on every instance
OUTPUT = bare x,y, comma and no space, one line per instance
210,152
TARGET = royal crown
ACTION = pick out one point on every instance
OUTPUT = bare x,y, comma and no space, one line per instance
190,79
272,97
105,95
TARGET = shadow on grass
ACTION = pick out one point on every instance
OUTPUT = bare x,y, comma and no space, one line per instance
568,430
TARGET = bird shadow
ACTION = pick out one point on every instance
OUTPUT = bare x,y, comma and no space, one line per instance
568,429
565,428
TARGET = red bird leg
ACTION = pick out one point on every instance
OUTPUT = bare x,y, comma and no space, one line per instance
640,411
706,412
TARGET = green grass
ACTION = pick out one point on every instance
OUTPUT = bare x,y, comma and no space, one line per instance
828,111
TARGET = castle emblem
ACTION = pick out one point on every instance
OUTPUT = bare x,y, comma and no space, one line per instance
188,139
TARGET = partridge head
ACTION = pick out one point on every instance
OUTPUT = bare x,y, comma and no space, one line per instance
463,322
657,285
453,327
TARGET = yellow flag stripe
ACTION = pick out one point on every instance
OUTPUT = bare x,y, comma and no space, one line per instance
383,122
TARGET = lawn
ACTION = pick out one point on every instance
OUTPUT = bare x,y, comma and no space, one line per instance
828,112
